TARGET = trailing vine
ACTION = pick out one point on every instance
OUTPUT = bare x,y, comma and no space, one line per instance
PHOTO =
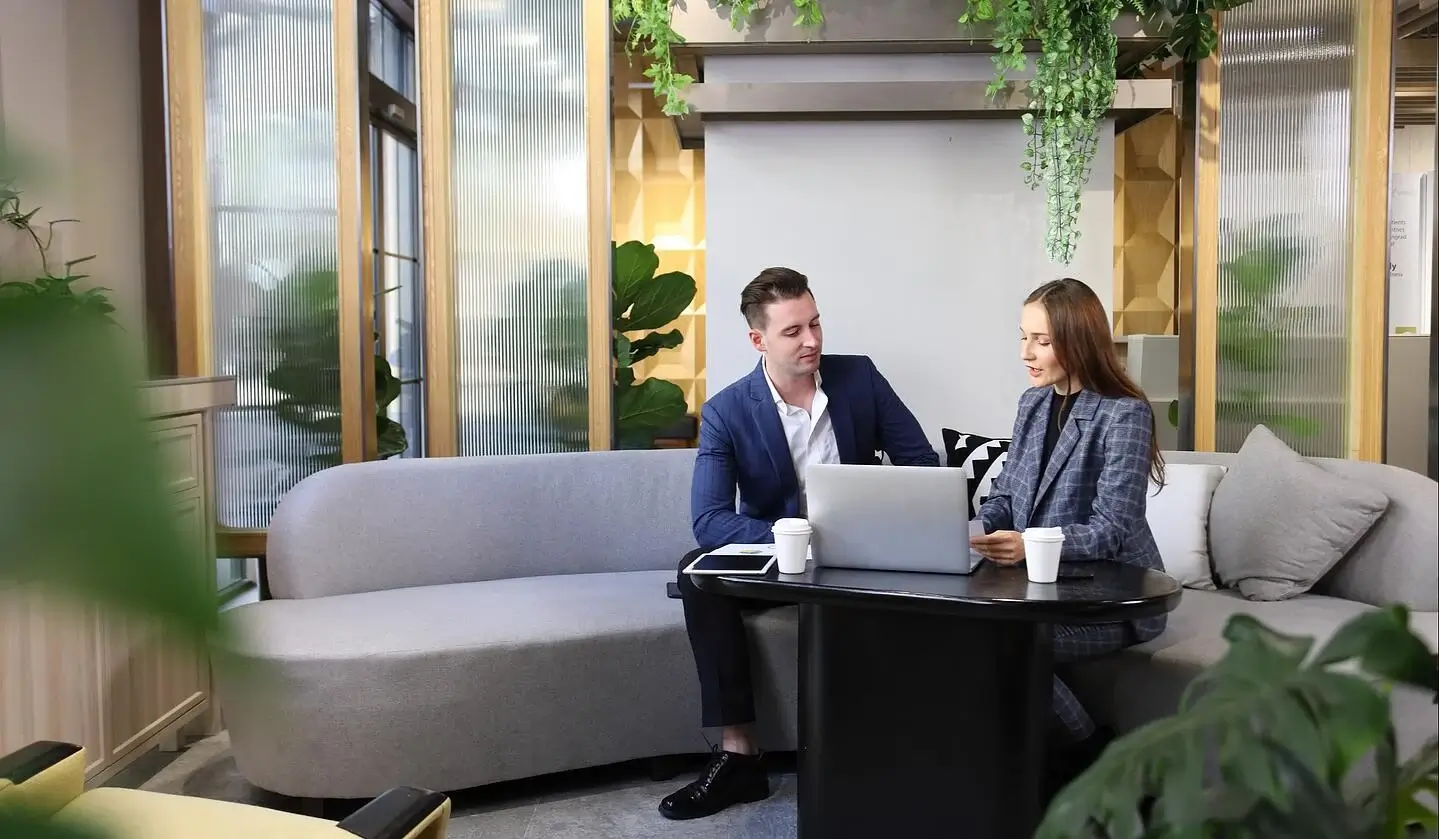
1074,83
652,34
1071,92
1072,89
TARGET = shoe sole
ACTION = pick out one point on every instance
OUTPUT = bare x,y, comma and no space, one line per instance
748,799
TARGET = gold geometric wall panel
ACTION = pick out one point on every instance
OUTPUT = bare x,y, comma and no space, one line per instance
658,195
1146,227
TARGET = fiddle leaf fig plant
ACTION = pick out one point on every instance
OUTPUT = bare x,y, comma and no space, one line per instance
1074,82
652,34
646,302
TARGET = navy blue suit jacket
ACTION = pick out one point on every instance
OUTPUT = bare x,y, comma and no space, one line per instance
1095,487
742,445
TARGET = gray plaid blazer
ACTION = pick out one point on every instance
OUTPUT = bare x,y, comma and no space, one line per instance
1095,485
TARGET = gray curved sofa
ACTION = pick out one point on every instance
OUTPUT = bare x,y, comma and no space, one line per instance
462,621
455,622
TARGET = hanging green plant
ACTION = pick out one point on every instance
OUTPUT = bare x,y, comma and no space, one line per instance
651,33
1187,25
1074,83
1072,90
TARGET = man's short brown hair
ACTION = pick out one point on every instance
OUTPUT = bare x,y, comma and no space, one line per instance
771,286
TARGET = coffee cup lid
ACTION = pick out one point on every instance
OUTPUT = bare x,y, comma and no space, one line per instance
1044,534
791,526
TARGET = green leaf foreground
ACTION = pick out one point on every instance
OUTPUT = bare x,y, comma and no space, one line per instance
1284,728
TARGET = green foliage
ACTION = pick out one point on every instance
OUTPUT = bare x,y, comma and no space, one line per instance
1072,90
1074,83
1253,320
17,823
1285,726
652,34
642,302
303,319
85,513
1187,24
49,293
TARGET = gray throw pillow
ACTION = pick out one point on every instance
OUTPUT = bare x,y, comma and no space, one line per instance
1278,523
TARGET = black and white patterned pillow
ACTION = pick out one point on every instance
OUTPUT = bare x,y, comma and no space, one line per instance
982,459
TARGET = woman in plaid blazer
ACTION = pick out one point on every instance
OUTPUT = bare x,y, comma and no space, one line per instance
1082,457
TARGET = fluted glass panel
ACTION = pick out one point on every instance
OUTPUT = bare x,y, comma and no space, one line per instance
520,226
1284,222
270,129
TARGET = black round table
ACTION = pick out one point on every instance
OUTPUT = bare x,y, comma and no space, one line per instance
924,699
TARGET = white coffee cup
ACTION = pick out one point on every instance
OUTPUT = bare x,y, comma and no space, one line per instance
1042,547
791,543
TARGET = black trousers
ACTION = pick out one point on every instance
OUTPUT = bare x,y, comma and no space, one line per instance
715,624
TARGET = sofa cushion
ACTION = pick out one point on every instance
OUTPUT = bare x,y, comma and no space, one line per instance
388,524
1397,561
1145,682
982,459
1178,515
455,686
1278,523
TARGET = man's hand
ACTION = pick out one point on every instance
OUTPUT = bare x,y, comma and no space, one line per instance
1005,547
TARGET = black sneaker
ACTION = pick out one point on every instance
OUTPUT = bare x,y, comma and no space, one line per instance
728,779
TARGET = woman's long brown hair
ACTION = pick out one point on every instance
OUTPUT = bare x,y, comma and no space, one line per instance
1084,347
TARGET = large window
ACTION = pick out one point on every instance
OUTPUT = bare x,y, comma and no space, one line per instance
395,197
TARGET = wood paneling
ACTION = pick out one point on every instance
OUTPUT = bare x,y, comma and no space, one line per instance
1206,252
189,190
432,30
598,318
1370,118
110,681
50,678
1146,227
356,292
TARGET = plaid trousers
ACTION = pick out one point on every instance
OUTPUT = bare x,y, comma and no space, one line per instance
1077,643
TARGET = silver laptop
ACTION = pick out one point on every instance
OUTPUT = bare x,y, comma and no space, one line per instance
889,518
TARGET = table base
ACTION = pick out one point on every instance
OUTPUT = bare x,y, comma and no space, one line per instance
920,725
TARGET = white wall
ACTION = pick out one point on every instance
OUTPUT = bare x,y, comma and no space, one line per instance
920,239
1411,228
1413,150
70,90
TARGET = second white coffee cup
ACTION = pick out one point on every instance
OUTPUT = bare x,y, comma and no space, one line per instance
791,543
1042,547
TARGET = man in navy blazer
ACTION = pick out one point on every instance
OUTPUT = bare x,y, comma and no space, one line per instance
757,436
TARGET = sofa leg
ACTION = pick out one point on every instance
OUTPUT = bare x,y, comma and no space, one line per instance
314,807
666,767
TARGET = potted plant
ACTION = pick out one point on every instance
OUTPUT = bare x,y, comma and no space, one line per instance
642,302
1284,726
1074,83
49,292
649,31
645,302
303,328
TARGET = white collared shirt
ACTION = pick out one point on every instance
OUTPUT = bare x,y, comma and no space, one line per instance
810,434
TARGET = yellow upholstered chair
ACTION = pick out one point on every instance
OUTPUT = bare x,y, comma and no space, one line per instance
48,780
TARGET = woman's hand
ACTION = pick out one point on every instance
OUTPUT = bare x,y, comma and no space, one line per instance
1005,547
